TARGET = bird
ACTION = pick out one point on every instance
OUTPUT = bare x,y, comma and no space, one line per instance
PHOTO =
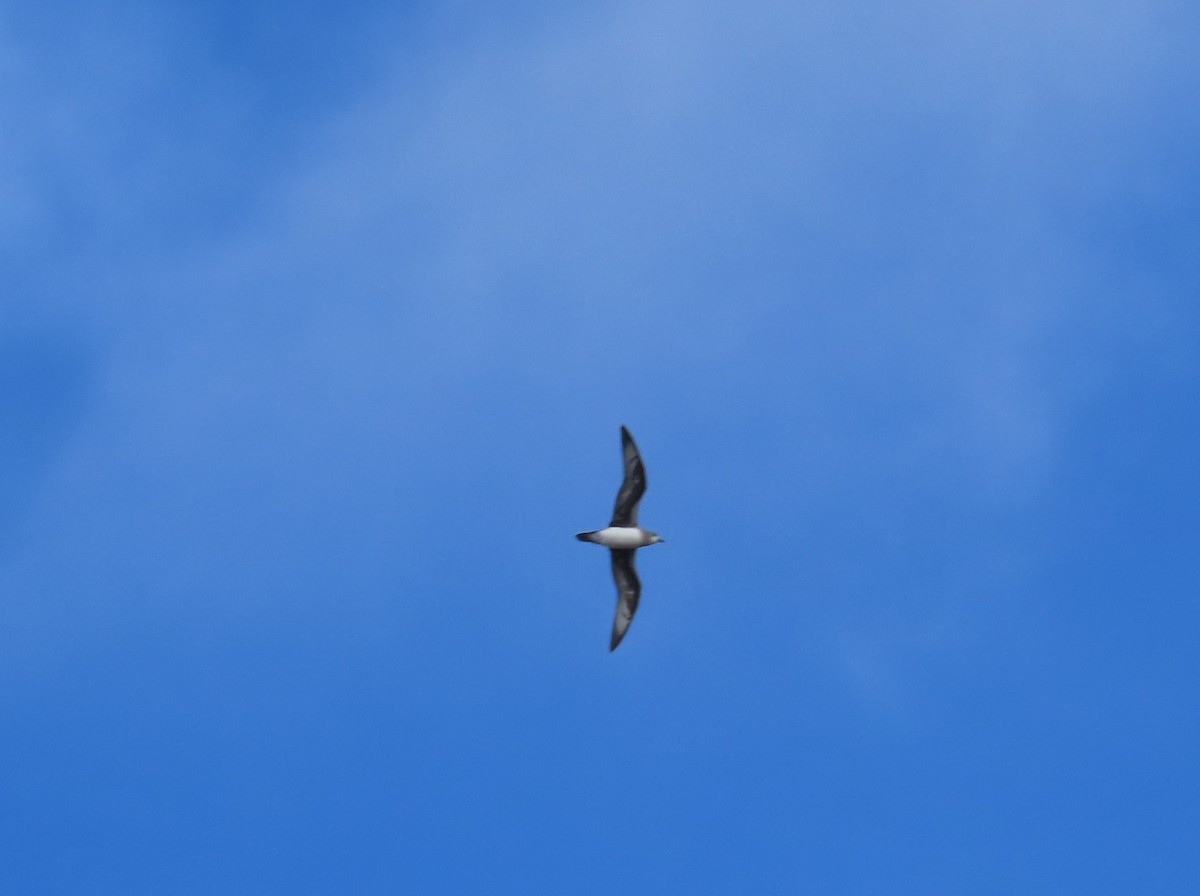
623,536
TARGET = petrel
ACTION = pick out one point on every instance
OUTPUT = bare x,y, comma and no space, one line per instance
624,536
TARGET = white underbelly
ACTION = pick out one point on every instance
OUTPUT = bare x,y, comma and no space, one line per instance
621,537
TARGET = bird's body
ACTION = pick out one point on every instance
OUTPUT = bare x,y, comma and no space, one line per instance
623,536
620,537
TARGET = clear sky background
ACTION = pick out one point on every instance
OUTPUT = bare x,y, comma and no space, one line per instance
318,323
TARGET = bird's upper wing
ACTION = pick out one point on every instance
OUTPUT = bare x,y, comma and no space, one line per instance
629,589
632,487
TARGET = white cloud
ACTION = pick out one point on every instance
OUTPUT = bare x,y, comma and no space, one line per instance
851,230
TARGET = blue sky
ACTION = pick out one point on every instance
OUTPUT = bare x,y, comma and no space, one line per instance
316,332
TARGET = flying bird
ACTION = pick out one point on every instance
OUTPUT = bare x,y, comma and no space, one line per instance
624,536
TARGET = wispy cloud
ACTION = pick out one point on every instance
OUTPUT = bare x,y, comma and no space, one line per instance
860,239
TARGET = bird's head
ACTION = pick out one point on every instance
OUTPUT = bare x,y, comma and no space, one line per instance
655,538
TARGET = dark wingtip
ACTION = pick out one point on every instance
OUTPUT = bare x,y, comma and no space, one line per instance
617,638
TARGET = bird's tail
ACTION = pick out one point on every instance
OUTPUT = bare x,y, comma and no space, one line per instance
585,536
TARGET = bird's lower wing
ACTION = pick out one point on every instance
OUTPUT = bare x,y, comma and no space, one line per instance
629,589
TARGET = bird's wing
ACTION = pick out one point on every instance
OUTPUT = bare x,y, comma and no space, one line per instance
629,589
633,486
